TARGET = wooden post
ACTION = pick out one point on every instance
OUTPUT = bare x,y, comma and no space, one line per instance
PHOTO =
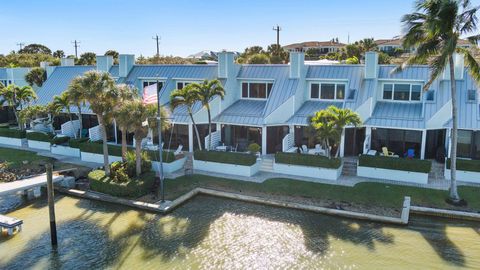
51,206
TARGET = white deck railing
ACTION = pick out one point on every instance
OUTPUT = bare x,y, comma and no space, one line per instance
216,138
70,128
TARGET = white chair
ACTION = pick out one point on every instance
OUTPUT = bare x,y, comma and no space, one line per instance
304,149
178,151
234,149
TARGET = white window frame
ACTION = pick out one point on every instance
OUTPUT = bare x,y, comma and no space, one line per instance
320,91
248,90
162,82
411,84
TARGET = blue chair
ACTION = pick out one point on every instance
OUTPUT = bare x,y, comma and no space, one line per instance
410,153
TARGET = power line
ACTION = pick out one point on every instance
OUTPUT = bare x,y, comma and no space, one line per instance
157,40
20,44
75,44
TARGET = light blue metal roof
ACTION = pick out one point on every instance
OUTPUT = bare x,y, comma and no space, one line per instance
114,71
397,115
263,72
172,71
416,72
352,73
243,112
59,81
309,108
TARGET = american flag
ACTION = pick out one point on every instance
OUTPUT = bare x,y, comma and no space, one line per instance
150,94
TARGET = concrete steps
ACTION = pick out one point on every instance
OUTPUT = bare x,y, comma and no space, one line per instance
266,165
437,172
349,166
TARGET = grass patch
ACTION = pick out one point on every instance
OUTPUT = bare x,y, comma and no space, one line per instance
226,157
391,163
466,165
15,158
12,133
40,136
308,160
367,193
134,188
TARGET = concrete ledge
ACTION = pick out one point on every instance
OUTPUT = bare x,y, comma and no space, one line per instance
444,213
245,198
12,141
396,175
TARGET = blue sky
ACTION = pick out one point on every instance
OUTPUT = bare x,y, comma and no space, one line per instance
188,26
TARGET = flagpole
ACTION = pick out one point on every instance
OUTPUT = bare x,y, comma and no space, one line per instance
160,147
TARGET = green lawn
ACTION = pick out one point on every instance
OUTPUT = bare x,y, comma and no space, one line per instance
15,158
378,194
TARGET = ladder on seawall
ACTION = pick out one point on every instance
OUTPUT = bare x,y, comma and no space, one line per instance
10,224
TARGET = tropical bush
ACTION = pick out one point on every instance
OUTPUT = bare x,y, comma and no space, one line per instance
254,148
226,157
391,163
308,160
40,136
146,164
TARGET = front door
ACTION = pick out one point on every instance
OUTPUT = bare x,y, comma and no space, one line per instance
354,138
275,136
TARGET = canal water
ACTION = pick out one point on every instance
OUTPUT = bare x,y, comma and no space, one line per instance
213,233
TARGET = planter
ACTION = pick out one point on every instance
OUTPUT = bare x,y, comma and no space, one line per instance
464,176
39,145
307,171
12,141
226,168
65,150
169,167
395,175
98,158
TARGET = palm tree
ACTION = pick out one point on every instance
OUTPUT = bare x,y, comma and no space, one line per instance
368,44
76,97
325,129
206,92
62,102
122,114
342,118
15,96
186,96
99,90
434,28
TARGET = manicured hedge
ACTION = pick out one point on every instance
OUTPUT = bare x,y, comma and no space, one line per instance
392,163
226,157
58,140
12,133
308,160
75,143
466,165
134,188
116,150
154,156
40,136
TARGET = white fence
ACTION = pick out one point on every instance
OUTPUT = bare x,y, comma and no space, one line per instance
70,128
287,142
216,138
95,133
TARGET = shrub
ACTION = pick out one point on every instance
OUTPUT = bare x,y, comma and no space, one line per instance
133,188
254,148
308,160
59,140
40,136
75,143
392,163
166,155
97,148
12,133
146,164
118,172
226,157
466,165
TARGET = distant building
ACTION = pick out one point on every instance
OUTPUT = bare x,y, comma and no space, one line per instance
205,55
324,47
390,45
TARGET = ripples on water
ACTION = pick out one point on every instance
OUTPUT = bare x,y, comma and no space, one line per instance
212,233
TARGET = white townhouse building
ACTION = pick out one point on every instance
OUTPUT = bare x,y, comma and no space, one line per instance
271,104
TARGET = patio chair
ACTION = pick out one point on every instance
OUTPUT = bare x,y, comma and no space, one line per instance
234,149
178,151
304,149
387,153
410,154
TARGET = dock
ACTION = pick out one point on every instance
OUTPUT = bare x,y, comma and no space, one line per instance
34,184
10,224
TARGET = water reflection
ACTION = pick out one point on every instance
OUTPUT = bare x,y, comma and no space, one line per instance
215,233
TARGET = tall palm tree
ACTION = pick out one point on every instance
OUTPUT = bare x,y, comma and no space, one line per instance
434,28
15,96
368,44
139,113
77,98
186,96
99,90
122,115
63,102
342,118
206,92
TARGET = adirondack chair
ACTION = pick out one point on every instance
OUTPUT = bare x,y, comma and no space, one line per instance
387,153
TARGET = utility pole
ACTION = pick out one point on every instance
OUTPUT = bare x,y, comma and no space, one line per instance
157,39
51,206
277,29
160,177
20,44
75,44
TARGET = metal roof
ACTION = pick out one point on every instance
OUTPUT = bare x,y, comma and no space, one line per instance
397,115
243,112
114,71
409,73
309,108
172,71
352,73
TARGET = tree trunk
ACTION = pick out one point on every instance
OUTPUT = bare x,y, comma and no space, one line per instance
103,130
453,154
80,121
209,130
138,156
71,121
196,131
124,143
20,126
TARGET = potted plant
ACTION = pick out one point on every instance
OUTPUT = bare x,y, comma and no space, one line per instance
254,148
